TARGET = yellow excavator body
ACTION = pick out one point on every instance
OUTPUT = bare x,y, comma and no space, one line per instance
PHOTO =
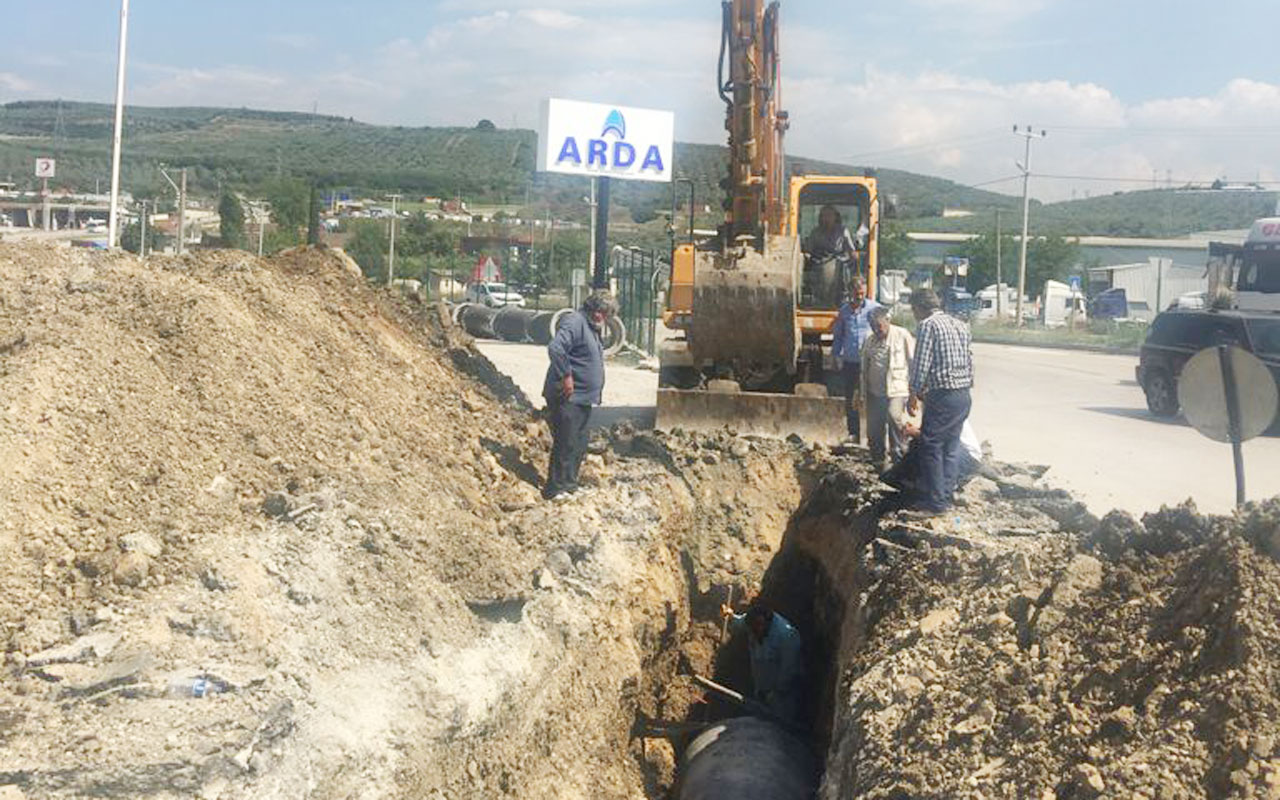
751,309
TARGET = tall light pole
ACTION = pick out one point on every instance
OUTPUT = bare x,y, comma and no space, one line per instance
391,253
1028,134
113,224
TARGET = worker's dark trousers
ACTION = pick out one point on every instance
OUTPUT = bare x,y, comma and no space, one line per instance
945,411
852,374
568,444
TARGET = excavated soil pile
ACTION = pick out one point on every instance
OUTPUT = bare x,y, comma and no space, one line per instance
266,534
1142,661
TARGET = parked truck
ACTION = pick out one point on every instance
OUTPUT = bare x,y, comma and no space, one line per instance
1247,277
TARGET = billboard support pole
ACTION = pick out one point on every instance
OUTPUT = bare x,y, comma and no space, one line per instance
600,280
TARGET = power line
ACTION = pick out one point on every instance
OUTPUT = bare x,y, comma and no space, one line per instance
1202,130
997,180
1119,179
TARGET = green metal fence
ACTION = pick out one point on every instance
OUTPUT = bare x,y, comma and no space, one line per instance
638,274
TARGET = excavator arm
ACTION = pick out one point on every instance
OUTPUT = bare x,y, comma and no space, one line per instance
751,91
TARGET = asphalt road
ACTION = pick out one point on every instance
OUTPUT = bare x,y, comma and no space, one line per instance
1080,413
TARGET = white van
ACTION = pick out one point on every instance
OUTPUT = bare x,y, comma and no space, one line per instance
1062,305
985,307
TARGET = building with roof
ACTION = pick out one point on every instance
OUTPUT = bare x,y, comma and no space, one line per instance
1150,286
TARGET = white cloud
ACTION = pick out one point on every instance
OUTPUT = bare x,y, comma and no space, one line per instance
15,84
497,60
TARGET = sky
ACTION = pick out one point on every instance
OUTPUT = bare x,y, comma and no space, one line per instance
1130,93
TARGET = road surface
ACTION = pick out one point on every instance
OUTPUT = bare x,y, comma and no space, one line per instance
1080,413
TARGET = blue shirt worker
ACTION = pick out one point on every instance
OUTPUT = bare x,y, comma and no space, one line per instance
574,383
941,376
852,328
777,660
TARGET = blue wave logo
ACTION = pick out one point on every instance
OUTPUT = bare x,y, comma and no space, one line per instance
616,124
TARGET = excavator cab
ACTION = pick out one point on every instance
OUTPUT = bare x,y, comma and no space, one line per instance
824,280
834,222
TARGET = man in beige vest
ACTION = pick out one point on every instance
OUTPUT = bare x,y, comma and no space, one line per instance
886,385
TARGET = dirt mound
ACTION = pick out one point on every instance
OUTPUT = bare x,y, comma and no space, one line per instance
1143,665
204,386
215,464
267,533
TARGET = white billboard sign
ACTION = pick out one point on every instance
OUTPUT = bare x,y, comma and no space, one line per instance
46,168
634,144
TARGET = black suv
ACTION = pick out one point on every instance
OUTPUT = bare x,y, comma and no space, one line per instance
1176,336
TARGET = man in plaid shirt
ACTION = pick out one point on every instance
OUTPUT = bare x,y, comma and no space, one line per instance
941,375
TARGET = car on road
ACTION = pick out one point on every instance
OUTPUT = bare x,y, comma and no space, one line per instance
1175,336
494,295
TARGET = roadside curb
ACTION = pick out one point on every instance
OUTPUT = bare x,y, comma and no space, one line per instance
1087,348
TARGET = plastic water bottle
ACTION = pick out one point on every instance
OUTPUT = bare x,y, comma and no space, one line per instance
197,687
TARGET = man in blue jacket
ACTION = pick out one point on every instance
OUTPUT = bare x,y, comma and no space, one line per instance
852,328
574,383
777,660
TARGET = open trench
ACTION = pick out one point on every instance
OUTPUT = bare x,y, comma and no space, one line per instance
814,578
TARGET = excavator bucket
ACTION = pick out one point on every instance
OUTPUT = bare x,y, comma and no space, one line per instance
744,305
815,418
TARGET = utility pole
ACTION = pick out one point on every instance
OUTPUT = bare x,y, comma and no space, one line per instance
1028,134
182,213
261,216
391,255
142,246
181,191
113,224
999,270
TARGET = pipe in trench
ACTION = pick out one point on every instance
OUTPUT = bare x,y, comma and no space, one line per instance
747,758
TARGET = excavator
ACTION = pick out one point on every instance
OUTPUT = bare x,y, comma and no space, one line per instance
751,309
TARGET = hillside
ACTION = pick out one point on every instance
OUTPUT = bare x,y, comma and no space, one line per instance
1152,213
246,148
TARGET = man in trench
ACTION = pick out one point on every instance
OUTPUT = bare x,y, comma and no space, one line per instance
777,660
574,383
